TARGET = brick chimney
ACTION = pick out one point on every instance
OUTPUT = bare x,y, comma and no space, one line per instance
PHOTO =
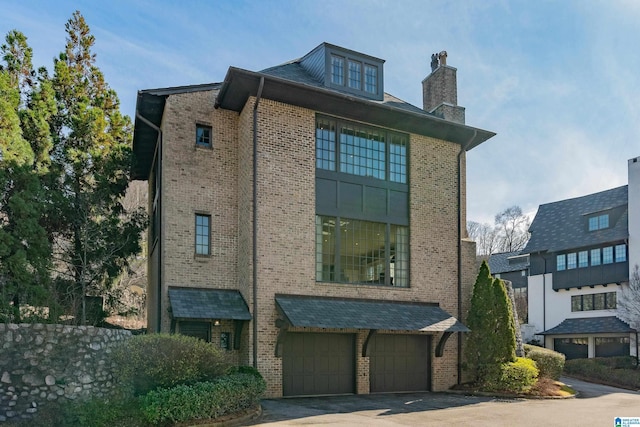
440,90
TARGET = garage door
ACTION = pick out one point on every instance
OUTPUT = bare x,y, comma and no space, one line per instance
400,363
611,347
314,364
572,348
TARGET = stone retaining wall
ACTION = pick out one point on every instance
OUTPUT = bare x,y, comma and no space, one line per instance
45,363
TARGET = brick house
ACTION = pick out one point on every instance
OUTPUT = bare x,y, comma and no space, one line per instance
309,223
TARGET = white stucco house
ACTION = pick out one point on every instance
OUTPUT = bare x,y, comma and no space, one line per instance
582,252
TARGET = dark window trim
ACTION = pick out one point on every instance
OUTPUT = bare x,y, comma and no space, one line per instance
387,257
584,301
208,127
363,61
208,216
388,134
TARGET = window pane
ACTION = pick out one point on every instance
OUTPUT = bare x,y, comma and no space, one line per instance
355,75
583,259
362,251
325,248
203,135
611,300
593,223
607,255
603,221
202,234
595,256
571,261
561,263
362,152
576,303
621,253
598,302
337,70
398,159
371,79
399,256
325,144
587,302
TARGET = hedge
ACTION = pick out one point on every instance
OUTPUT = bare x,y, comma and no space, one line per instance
604,370
550,363
205,400
148,362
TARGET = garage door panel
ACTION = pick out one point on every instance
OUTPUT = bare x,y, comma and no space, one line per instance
328,365
400,363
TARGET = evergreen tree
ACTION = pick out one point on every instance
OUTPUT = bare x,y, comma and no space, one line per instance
492,337
90,161
25,251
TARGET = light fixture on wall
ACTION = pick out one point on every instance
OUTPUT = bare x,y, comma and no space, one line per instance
216,322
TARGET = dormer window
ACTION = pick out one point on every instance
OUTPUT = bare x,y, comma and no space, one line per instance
599,222
346,70
355,75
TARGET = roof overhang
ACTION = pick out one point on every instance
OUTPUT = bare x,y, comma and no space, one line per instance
344,313
207,304
590,325
240,84
149,111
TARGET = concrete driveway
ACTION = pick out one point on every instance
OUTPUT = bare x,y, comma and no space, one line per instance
597,406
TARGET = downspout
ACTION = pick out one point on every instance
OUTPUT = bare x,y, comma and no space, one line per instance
255,224
157,156
460,225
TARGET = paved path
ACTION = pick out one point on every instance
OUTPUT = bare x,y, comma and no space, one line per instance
597,406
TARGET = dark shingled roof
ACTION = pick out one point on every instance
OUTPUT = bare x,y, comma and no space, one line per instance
506,262
325,312
201,303
295,72
562,225
590,325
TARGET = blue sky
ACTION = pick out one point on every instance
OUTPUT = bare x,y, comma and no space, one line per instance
558,81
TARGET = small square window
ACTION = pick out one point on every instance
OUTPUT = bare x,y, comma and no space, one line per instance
203,135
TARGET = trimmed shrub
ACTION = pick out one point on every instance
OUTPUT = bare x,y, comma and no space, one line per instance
205,400
148,362
102,413
550,363
514,377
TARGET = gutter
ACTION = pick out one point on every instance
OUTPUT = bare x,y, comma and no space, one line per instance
157,155
463,149
255,224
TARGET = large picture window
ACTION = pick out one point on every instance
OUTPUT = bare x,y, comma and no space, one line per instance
362,150
356,251
588,302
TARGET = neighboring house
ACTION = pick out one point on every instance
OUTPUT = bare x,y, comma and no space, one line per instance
579,255
309,223
514,267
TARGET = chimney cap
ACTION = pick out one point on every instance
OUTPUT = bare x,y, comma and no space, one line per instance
438,59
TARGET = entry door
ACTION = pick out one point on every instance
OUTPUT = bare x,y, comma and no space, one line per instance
400,363
317,363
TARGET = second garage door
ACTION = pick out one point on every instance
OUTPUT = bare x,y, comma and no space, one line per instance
315,363
400,363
